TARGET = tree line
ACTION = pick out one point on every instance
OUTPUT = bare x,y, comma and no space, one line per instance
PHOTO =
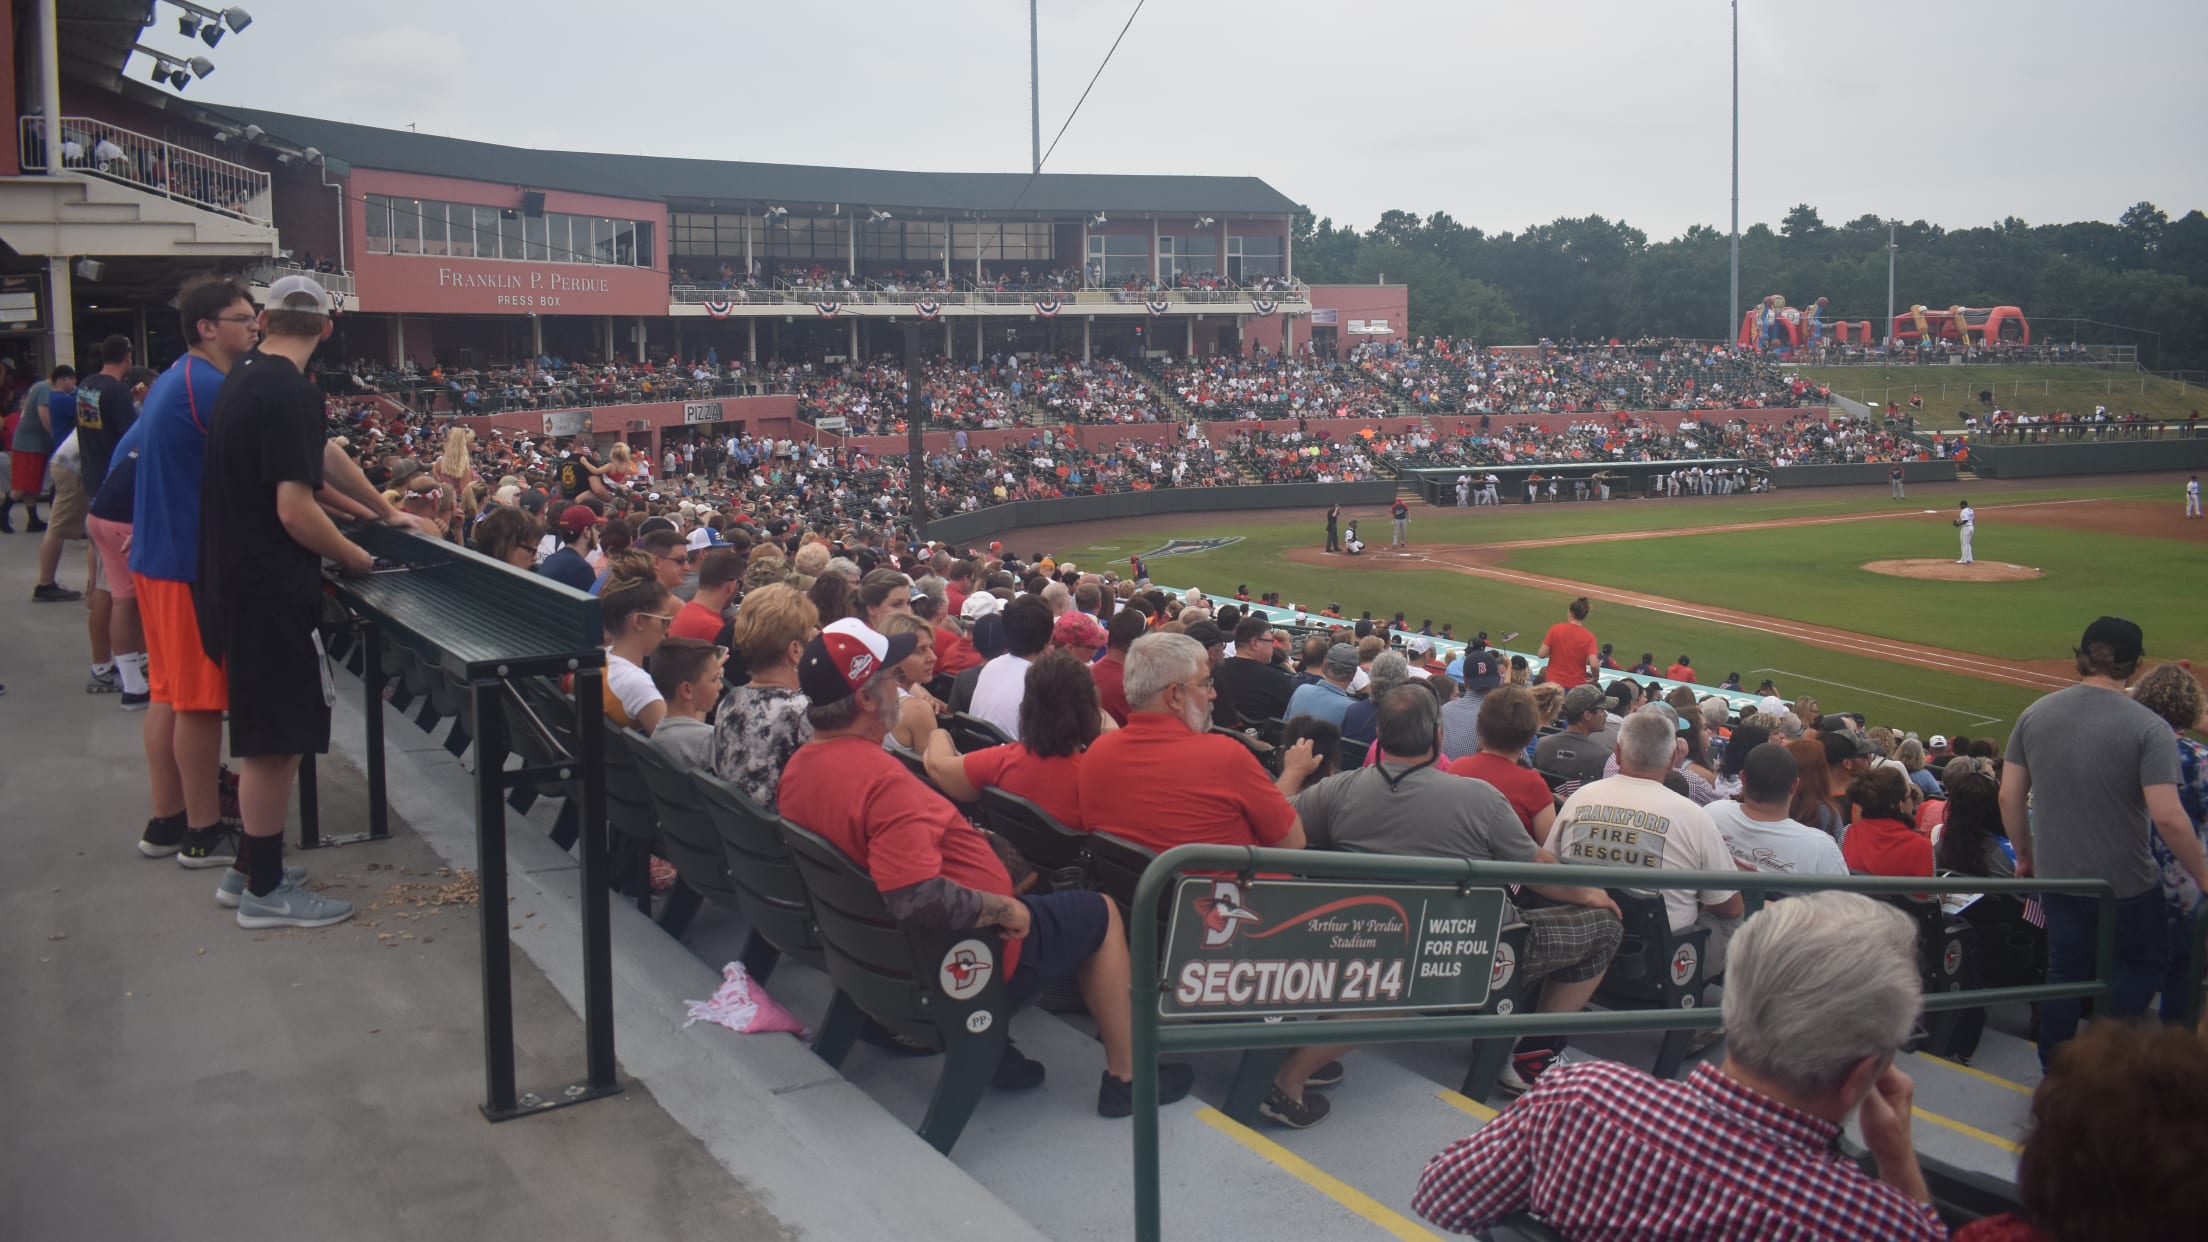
1593,278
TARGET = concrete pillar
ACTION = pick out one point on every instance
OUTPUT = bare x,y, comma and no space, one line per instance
1085,323
981,345
747,264
49,97
1287,335
398,340
854,339
640,339
138,335
536,335
1153,247
606,330
63,308
851,244
1190,323
950,337
751,326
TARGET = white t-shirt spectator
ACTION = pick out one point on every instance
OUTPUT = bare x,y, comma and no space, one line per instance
630,684
1624,821
998,691
1788,845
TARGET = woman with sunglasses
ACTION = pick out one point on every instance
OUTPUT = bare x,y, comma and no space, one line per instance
636,610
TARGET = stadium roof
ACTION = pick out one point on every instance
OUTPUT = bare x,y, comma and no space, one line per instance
665,178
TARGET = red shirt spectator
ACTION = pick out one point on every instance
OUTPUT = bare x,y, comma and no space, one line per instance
1159,784
954,652
1111,685
1050,783
695,620
1886,847
870,806
1682,671
1570,648
1523,788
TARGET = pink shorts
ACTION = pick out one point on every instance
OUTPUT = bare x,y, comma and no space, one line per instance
110,540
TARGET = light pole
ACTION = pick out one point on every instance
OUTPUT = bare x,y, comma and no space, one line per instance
1732,325
1034,88
1891,248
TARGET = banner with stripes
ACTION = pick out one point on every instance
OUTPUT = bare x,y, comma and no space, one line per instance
927,308
1160,307
1048,308
1263,306
720,310
828,310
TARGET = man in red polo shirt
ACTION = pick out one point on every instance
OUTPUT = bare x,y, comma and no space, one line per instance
934,868
720,572
1164,780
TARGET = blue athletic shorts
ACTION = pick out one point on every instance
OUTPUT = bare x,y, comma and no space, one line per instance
1064,930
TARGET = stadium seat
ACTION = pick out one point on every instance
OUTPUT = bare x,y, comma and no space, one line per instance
525,704
687,839
768,887
1508,993
970,733
908,980
632,822
1656,968
911,759
1946,955
1267,754
1043,841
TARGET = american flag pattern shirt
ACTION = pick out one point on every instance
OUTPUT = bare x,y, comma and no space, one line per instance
1605,1153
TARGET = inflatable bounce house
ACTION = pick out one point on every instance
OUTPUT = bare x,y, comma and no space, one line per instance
1968,325
1772,325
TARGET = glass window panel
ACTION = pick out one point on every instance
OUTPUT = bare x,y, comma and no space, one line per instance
406,226
509,236
624,243
486,232
533,233
644,243
601,240
433,227
379,223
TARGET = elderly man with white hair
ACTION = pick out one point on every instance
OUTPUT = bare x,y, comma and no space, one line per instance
1823,991
1164,779
1632,820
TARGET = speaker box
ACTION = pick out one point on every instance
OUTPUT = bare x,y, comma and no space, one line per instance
532,203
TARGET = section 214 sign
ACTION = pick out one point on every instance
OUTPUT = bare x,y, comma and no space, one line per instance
1301,947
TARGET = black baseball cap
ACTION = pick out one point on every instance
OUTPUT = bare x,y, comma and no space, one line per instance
2125,642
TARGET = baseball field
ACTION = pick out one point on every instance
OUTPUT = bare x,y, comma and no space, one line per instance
1848,595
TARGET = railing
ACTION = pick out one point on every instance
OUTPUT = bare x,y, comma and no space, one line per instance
267,273
163,168
1223,1033
693,295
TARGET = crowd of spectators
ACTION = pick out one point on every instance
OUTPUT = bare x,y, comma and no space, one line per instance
1799,440
1274,386
1580,378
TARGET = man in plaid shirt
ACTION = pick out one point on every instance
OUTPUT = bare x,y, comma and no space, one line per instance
1821,992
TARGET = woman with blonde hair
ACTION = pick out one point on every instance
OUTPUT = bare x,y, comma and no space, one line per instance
2173,693
620,465
913,675
455,470
762,722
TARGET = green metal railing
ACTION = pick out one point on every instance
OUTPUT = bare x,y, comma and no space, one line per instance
1151,1038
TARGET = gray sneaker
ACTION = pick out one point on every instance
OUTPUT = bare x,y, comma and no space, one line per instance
231,887
291,906
109,682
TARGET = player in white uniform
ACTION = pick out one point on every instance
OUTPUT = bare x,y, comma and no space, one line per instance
1966,522
2192,497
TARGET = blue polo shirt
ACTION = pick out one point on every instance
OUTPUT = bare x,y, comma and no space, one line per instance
1322,699
172,452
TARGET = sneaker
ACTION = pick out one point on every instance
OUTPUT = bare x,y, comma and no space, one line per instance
291,906
217,847
230,889
136,702
34,526
663,875
1295,1114
226,788
162,837
1327,1075
53,593
109,682
1115,1097
1525,1068
1016,1071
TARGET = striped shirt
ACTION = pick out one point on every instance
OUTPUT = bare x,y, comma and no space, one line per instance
1601,1151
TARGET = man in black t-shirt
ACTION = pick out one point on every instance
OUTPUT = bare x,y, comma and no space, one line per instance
263,534
104,412
1402,515
575,477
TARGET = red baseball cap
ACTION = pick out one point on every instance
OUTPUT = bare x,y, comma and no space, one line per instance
578,518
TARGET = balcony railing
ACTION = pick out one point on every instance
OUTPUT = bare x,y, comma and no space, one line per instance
693,295
103,150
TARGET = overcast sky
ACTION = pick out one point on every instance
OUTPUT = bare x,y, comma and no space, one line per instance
1502,114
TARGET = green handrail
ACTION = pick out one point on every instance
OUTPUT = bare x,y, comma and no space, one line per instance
1150,1038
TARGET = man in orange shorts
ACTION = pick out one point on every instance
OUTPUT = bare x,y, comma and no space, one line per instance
183,733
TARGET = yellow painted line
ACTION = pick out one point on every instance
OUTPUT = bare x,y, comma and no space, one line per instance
1395,1224
1949,1123
1465,1103
1996,1079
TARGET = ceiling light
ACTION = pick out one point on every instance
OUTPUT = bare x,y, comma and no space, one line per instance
253,133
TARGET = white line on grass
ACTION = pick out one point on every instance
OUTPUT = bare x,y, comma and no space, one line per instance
1881,694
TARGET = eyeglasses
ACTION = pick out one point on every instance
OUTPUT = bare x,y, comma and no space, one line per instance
662,618
1204,685
237,319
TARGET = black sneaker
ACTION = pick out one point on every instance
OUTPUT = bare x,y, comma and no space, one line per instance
1295,1114
1016,1071
53,593
163,837
1327,1075
35,526
1526,1068
1115,1097
875,1035
214,847
136,702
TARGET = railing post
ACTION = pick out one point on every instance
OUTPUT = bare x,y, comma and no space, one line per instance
1143,1037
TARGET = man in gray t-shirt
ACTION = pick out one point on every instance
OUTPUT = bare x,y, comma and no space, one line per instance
2089,774
1405,804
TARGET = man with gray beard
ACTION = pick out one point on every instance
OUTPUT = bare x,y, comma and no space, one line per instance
1164,779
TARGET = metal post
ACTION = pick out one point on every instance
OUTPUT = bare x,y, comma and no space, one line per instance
597,913
64,311
371,681
1732,325
1142,929
1891,248
916,412
490,876
1035,86
49,93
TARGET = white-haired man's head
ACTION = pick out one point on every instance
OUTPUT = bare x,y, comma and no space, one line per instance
1818,985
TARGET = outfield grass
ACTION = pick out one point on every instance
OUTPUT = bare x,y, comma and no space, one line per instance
1819,585
2029,390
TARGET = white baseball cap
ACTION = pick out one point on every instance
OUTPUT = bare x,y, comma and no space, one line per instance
299,293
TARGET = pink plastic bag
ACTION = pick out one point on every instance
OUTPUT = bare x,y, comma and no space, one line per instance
742,1006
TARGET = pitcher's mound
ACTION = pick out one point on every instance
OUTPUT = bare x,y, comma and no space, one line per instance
1949,571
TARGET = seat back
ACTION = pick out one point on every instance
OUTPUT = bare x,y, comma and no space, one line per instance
970,733
1944,943
1039,837
1267,756
2011,950
629,809
765,880
1655,968
911,759
687,836
924,985
532,737
1352,754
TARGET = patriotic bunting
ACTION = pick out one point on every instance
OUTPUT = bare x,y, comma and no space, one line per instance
1159,307
828,310
719,310
927,308
1048,307
1263,306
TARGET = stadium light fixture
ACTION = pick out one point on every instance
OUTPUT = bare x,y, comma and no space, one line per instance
180,79
253,133
188,25
1098,218
201,66
198,19
877,215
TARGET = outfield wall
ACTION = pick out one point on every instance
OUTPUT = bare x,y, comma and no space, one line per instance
1860,473
2033,461
973,527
